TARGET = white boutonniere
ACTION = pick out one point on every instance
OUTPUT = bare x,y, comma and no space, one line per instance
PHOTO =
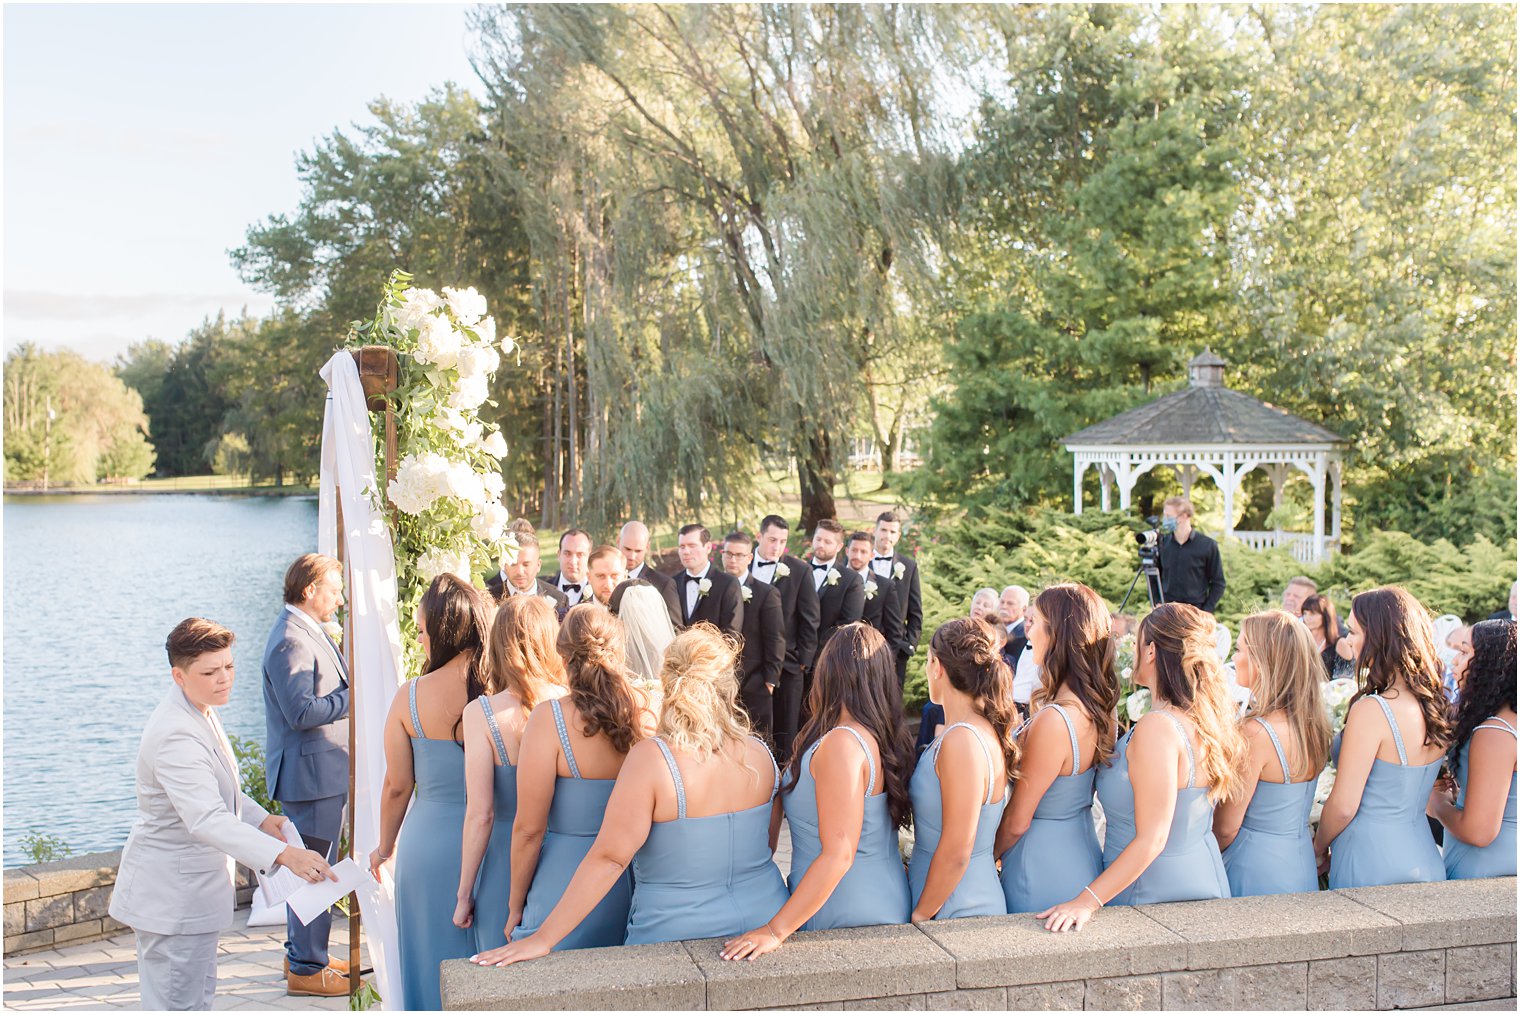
870,589
549,599
703,587
746,592
782,570
334,630
832,577
898,570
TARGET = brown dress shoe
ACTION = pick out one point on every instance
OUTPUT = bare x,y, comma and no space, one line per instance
327,982
336,964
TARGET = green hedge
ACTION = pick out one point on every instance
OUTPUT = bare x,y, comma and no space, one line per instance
1038,547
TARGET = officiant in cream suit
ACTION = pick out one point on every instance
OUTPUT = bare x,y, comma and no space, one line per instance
175,883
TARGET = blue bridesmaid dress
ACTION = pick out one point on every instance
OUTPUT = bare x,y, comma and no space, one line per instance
1059,854
575,818
700,877
979,892
1388,840
1189,867
874,890
493,884
427,867
1274,853
1497,858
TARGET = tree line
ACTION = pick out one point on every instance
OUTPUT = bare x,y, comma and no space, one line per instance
735,236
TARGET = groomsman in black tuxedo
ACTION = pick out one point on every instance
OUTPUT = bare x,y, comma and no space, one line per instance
841,592
706,593
604,574
799,613
880,609
520,577
570,579
633,543
903,571
764,635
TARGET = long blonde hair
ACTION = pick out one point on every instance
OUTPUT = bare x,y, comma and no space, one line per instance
700,713
522,653
1189,678
1289,673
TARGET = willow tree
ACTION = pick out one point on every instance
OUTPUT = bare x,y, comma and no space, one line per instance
741,219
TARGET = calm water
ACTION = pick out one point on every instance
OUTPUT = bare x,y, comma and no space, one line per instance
93,585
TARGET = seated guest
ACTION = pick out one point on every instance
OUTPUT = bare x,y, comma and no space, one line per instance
1264,826
174,886
845,796
690,813
1387,757
524,671
1166,775
1478,809
519,576
1318,617
570,757
423,802
604,572
1297,593
960,785
647,631
1047,840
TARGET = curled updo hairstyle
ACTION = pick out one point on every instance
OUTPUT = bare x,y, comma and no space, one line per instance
1079,656
457,623
523,653
968,651
1398,641
1490,683
700,712
591,643
1189,678
1289,677
857,673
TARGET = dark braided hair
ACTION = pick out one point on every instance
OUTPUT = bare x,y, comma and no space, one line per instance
1490,684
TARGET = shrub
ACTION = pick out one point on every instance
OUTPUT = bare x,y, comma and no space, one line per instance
45,848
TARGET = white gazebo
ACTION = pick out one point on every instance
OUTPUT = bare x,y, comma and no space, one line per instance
1212,430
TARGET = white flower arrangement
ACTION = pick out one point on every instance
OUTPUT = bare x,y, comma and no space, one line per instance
898,570
746,592
832,577
703,587
782,570
1138,704
1337,696
870,589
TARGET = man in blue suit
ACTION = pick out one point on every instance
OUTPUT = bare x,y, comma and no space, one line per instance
306,746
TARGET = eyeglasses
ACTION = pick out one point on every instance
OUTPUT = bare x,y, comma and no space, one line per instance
731,555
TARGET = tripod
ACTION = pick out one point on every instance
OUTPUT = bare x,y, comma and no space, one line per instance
1152,573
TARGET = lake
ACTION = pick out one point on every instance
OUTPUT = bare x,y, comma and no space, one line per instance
93,585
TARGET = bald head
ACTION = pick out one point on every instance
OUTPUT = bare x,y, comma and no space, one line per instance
633,543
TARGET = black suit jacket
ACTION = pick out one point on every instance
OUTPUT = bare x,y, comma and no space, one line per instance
497,586
910,603
661,583
839,603
880,607
1014,646
722,606
799,612
586,595
764,651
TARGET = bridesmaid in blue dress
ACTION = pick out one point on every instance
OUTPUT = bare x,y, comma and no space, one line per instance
1372,829
691,813
524,670
844,797
1166,775
960,785
1480,820
426,838
571,754
1264,827
1047,840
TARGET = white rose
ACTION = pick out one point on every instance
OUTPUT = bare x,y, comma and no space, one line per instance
418,482
782,570
477,361
898,570
485,330
746,592
468,306
495,445
703,587
495,484
466,432
489,523
1137,704
465,484
469,393
831,578
508,346
443,561
417,305
437,342
870,589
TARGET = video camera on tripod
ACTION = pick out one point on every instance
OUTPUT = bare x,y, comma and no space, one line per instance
1149,550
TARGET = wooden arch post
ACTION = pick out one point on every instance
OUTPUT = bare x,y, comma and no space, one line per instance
378,374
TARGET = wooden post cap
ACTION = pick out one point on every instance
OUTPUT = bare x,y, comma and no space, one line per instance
378,372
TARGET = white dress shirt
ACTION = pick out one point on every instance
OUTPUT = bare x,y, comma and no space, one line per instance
692,592
1025,678
764,570
882,565
820,574
575,597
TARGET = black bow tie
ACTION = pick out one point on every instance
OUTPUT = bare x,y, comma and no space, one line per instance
875,558
764,563
571,588
822,566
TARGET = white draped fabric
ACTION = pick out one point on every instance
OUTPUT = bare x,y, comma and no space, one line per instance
348,477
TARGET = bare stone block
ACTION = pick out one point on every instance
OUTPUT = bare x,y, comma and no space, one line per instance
15,918
914,1001
1273,987
1478,973
77,931
1448,913
641,977
1047,996
19,886
1343,984
1276,928
836,1005
995,998
29,941
92,903
1128,992
76,873
1206,990
49,912
1411,979
109,925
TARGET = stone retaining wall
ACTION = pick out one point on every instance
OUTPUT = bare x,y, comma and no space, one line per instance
64,902
1372,948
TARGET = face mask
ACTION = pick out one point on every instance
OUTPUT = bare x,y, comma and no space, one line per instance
1168,525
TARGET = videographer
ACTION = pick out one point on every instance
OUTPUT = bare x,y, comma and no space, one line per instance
1191,570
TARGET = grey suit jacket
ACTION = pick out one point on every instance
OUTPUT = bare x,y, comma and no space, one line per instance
193,819
305,713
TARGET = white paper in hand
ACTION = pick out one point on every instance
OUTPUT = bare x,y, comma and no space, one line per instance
314,899
282,883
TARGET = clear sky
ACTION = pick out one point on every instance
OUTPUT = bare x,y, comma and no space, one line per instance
142,141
